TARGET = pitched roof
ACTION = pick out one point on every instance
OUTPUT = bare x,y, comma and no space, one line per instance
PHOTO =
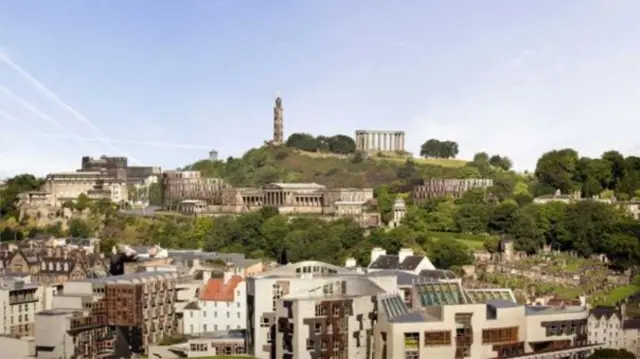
606,312
392,261
216,290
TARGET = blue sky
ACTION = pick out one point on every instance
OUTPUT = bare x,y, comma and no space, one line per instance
510,77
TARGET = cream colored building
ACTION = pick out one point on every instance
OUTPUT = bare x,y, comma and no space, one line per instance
19,302
605,327
67,186
447,321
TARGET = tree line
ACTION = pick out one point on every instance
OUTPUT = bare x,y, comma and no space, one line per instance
567,171
338,144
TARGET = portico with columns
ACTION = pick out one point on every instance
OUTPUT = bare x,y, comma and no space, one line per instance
379,141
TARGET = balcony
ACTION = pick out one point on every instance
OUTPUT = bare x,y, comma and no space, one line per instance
23,299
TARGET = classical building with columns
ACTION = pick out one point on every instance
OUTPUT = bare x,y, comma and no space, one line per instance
379,141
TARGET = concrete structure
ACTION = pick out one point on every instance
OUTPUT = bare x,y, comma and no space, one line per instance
447,187
220,305
17,348
448,321
212,344
379,141
605,327
278,123
20,301
118,168
116,315
280,303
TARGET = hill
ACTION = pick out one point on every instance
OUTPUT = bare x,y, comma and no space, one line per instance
283,164
444,162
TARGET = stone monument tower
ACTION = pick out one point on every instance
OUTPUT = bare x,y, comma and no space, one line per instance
278,123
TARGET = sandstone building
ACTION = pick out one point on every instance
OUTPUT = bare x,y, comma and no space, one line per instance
278,123
447,187
380,141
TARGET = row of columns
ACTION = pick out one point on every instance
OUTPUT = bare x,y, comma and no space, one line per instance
380,141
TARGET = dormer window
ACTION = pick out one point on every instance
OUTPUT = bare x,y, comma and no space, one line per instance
43,266
58,266
66,267
51,266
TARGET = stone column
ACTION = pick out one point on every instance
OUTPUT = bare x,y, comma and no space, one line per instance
402,141
379,141
387,141
395,142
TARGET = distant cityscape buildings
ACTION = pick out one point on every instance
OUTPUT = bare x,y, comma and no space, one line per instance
213,155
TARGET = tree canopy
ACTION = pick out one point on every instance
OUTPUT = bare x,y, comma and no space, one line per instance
439,149
338,144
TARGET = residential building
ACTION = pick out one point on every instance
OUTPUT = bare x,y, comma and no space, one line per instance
19,302
266,290
405,260
631,332
605,327
67,186
219,305
77,325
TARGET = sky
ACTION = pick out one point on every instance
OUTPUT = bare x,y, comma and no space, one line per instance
165,81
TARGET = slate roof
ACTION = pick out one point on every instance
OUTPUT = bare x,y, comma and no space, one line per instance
192,306
631,324
392,261
606,312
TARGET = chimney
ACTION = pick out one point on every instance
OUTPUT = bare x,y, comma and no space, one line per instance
227,276
206,275
350,263
404,253
377,252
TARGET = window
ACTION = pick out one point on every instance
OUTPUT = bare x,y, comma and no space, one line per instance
437,338
204,328
191,328
238,314
238,304
228,315
204,313
238,293
499,335
215,314
411,340
215,327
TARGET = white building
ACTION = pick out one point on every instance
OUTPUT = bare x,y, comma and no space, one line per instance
605,327
296,286
405,261
19,302
220,304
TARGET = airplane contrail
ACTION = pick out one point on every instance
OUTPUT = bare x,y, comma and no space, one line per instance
26,104
47,92
96,139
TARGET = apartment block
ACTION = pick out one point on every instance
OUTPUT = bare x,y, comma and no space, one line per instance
220,304
605,327
19,302
265,292
447,187
116,315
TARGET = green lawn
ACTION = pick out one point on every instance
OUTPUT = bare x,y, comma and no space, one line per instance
473,241
620,293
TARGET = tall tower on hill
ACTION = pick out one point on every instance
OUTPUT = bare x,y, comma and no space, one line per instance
278,123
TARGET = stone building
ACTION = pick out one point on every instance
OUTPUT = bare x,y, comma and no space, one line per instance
447,187
177,186
380,141
278,123
67,186
118,168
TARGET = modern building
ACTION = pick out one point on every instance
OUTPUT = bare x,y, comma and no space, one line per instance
118,168
448,321
220,305
265,306
20,301
605,327
116,315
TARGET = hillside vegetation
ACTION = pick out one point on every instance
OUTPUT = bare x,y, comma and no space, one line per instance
284,164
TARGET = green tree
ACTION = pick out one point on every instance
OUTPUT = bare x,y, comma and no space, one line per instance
13,187
82,202
446,254
304,142
557,170
501,162
341,144
606,353
79,228
439,149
